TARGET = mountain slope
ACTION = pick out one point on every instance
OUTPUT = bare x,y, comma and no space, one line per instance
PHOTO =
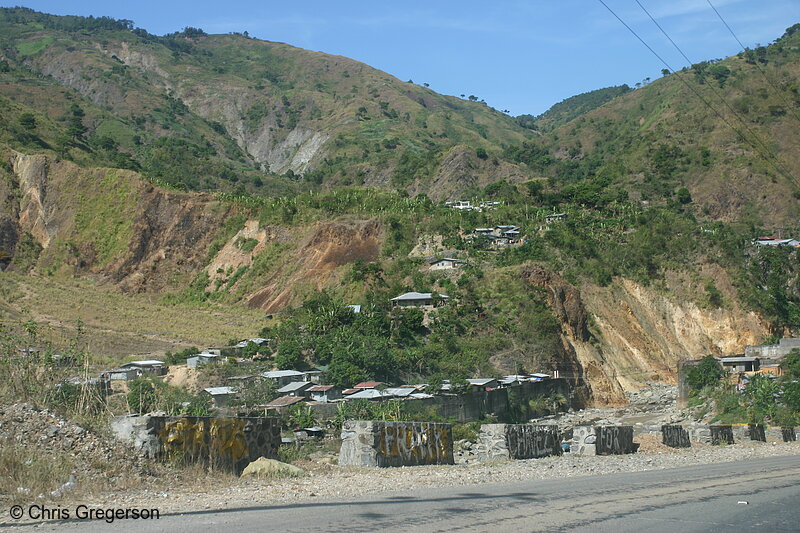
290,111
738,158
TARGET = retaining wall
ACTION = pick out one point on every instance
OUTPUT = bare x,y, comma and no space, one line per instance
376,443
499,442
230,443
498,402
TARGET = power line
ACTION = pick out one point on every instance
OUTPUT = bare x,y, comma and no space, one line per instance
718,94
700,96
764,74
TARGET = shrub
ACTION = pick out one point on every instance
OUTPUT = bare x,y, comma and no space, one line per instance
705,374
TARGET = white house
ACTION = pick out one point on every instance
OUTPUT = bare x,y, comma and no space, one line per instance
446,263
419,299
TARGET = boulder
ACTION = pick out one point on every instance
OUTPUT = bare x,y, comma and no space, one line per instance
270,468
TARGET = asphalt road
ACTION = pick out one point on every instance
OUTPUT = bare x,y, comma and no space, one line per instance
697,498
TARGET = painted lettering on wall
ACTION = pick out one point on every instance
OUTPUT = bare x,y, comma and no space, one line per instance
614,440
526,441
414,443
675,436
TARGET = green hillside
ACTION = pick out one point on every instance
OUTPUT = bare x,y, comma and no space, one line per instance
573,107
737,156
226,111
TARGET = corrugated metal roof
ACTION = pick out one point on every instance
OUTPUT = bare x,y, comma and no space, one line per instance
417,296
216,391
320,388
281,373
368,394
284,401
149,362
295,386
400,392
367,384
481,381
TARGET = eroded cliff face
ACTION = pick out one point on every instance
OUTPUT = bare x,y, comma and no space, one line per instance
626,334
111,224
324,248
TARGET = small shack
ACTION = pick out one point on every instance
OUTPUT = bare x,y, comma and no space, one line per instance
419,299
221,396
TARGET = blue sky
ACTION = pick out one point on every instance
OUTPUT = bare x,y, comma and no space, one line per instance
523,56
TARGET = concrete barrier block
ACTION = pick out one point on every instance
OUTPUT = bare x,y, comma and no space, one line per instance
517,441
721,434
675,436
378,443
614,440
229,443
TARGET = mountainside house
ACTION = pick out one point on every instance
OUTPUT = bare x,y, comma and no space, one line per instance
502,235
284,402
446,263
324,393
419,299
776,241
152,366
296,388
121,374
739,364
220,395
369,394
773,351
368,385
482,384
258,341
202,359
284,377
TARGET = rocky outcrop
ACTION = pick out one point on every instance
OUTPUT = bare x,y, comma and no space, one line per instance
622,336
31,177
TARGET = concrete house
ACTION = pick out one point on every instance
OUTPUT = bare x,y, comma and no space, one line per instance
368,385
152,365
283,377
773,351
369,394
739,364
284,402
482,384
121,374
296,388
446,263
324,393
221,396
419,299
202,359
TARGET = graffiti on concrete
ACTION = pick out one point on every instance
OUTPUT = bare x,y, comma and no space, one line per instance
614,440
756,432
216,438
414,443
788,434
224,442
675,436
721,435
526,441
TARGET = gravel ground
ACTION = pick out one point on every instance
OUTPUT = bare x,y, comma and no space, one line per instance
329,481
